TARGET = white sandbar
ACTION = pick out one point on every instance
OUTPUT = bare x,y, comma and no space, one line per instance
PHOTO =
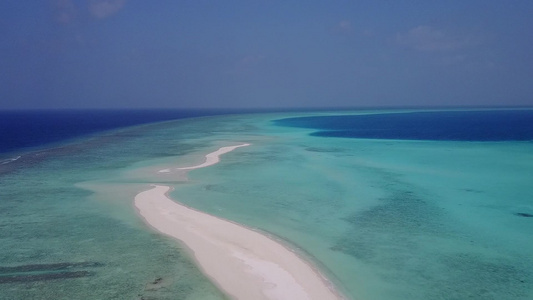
242,262
214,157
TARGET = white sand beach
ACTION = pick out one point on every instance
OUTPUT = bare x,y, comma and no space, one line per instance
242,262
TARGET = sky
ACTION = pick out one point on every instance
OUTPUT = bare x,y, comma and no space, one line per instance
264,53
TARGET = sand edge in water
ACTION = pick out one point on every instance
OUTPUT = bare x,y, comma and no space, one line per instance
242,262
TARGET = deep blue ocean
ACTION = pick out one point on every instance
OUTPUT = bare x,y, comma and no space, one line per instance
21,130
38,128
480,125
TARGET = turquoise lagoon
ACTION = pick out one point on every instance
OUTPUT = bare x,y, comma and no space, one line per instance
382,218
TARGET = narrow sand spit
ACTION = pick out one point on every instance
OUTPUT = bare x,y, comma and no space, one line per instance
242,262
214,157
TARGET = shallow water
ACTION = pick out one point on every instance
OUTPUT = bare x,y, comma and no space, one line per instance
384,219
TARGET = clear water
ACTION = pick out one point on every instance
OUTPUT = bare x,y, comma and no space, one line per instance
384,219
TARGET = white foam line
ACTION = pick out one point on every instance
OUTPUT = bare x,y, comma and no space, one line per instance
9,160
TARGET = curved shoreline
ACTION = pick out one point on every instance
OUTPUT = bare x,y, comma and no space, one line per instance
242,262
214,157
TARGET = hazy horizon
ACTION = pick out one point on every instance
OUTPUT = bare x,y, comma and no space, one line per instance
115,54
224,110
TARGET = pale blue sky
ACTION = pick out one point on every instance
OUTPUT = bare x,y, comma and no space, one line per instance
248,54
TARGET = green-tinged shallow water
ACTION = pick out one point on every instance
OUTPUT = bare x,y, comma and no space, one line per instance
384,219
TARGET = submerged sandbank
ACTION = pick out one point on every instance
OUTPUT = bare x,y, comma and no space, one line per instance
244,263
